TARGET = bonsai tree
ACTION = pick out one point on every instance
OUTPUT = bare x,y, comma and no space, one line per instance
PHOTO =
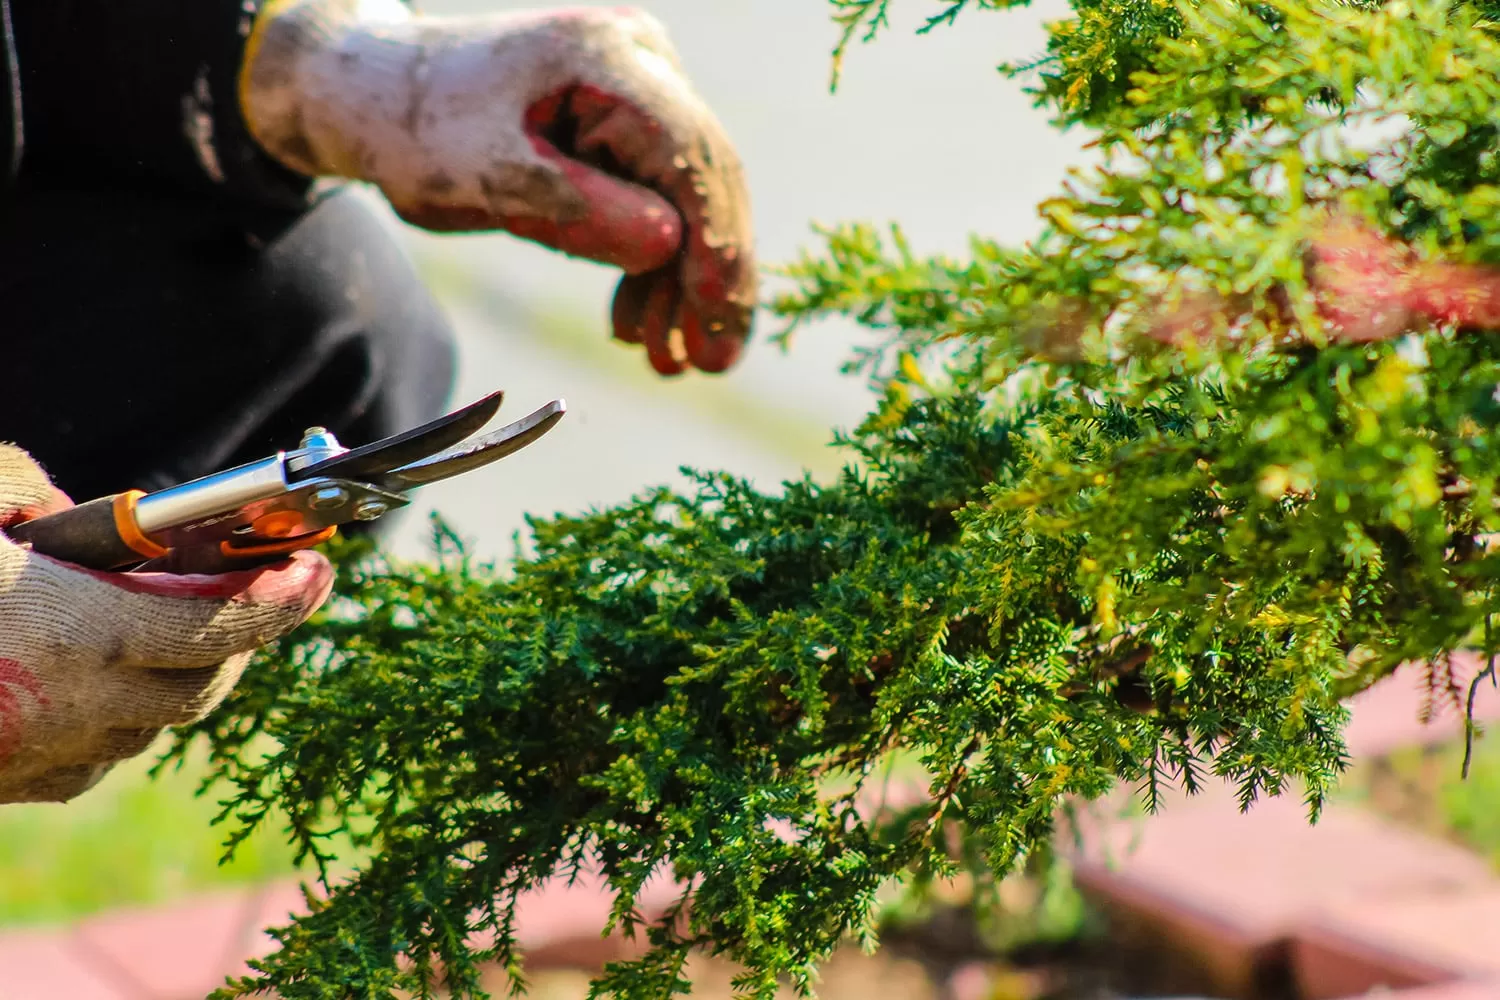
1142,502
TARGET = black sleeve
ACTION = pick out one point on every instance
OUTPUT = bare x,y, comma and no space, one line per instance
145,90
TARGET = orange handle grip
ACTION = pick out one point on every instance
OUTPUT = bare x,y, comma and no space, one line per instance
279,548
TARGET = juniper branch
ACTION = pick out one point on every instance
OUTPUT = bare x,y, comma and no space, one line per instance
1041,576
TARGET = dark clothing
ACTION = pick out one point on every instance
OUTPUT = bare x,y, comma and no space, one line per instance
164,336
134,90
174,302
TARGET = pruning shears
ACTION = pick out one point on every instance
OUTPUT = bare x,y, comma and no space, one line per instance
264,510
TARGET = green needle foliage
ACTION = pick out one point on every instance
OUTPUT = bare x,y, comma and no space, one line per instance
1064,556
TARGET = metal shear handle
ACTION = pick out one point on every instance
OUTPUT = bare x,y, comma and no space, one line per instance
266,509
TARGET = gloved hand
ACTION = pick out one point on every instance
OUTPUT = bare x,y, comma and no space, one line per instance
94,665
576,129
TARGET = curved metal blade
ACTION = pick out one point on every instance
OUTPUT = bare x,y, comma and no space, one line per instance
371,461
480,451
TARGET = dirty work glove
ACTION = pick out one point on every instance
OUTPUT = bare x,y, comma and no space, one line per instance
575,129
94,665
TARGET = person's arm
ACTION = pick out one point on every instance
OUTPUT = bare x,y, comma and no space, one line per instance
144,90
577,129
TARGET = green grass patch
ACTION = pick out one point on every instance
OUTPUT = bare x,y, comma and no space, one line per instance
130,841
1422,788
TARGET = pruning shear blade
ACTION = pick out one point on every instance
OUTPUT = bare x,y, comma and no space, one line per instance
290,500
477,452
409,446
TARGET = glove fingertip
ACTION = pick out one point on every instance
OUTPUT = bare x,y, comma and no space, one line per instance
720,282
660,324
663,354
710,352
629,306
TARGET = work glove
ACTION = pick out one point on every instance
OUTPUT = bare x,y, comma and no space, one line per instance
575,129
93,666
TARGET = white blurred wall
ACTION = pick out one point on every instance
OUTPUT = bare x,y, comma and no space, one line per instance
923,130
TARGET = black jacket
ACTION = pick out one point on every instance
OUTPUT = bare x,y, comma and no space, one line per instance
143,92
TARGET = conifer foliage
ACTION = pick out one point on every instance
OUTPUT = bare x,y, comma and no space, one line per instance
1143,501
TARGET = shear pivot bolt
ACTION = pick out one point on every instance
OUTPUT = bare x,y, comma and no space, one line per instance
328,496
369,510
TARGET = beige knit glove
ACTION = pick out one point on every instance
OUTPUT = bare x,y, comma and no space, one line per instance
576,129
94,665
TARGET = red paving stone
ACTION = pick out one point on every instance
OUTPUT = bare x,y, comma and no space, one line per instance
1458,931
1386,717
1326,965
1229,887
177,951
42,965
1233,889
1476,990
1260,869
271,905
561,925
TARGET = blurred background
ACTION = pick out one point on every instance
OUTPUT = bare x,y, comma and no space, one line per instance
923,131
